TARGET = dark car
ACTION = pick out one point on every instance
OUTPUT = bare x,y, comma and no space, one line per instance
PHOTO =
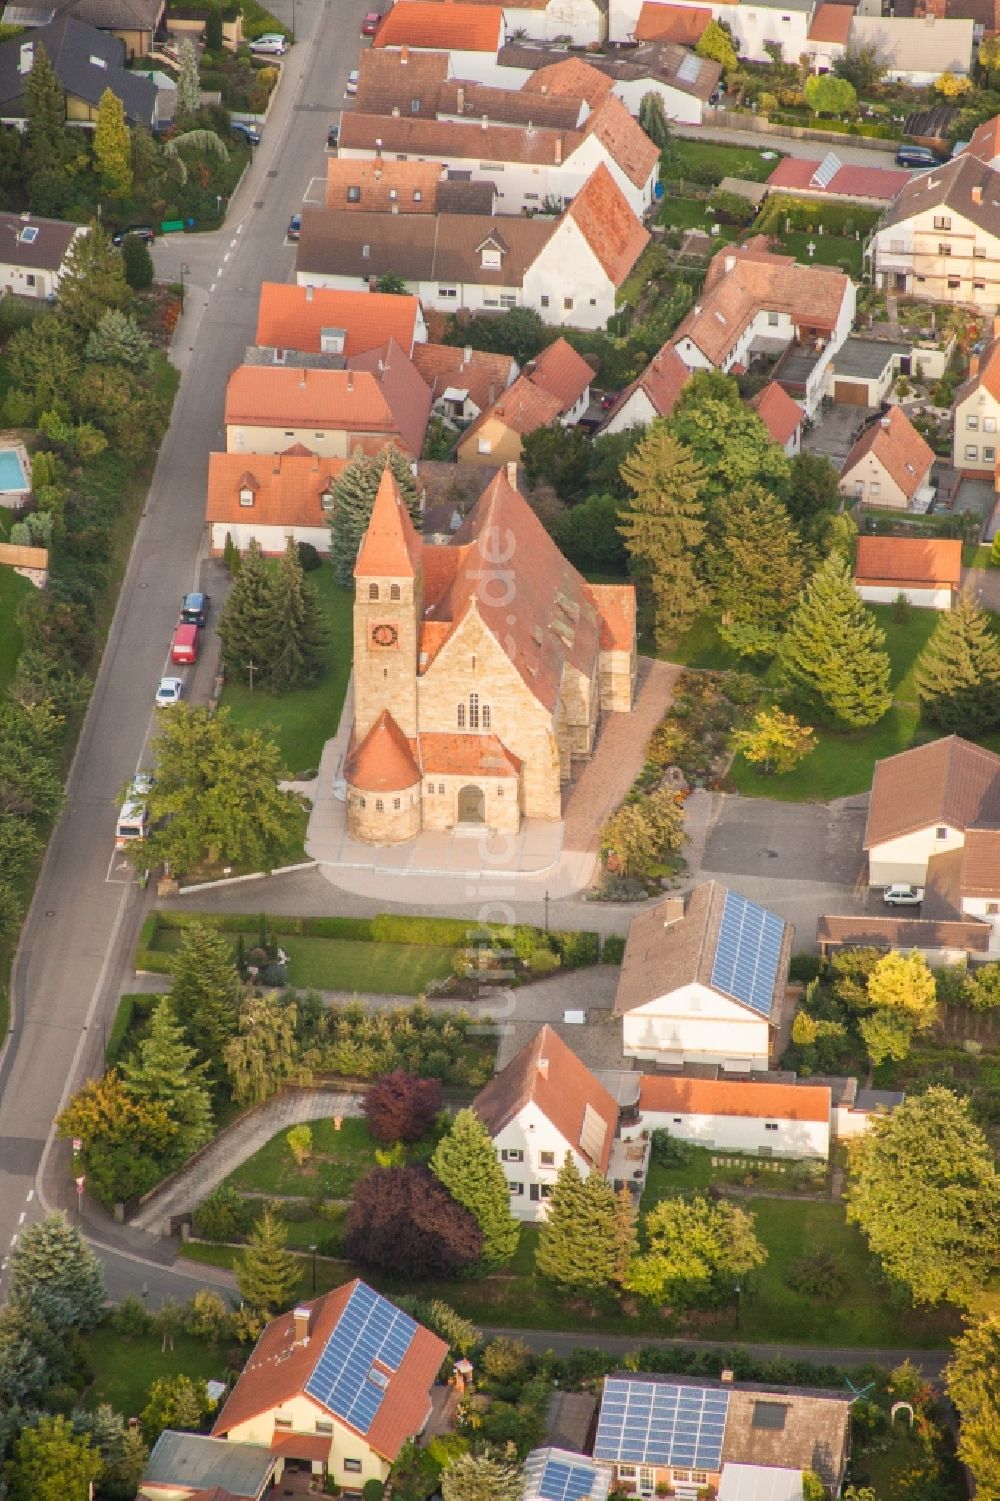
143,232
333,137
194,608
248,132
295,226
916,156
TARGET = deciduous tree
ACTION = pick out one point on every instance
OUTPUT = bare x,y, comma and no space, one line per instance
353,495
982,987
51,1257
692,1245
663,527
164,1071
578,1240
957,675
103,1111
263,1055
729,440
401,1106
175,1402
465,1161
206,994
973,1383
112,146
887,1034
267,1275
774,741
904,983
833,654
403,1220
925,1192
826,94
717,43
52,1463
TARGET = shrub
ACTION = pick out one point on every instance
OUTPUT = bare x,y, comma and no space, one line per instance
225,1215
805,967
613,949
372,1490
403,1220
818,1275
401,1106
309,558
669,1151
506,1361
131,1318
576,948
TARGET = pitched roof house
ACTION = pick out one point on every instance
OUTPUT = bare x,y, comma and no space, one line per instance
682,80
984,143
185,1465
342,1381
890,464
652,394
572,78
86,62
940,239
782,416
927,570
977,411
381,185
703,980
33,253
543,1105
777,1120
323,320
472,34
916,49
558,1472
683,24
269,497
463,381
421,84
826,179
133,22
554,387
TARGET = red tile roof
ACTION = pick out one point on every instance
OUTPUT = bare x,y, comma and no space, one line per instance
279,1368
980,870
290,317
683,1096
831,23
573,77
445,25
549,386
901,933
604,218
779,413
623,139
381,186
484,375
948,781
988,376
467,756
390,547
288,488
403,388
561,372
302,1445
672,23
384,761
616,604
662,381
879,183
984,143
927,561
457,141
894,442
549,1075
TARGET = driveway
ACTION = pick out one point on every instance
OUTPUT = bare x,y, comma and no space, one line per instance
817,841
835,432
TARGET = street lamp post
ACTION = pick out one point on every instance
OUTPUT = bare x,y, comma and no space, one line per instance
185,273
80,1184
312,1248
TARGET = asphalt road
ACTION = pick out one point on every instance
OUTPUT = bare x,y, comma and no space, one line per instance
84,916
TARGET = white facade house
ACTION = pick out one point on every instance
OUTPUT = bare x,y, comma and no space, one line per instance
267,498
771,1120
915,49
940,239
977,414
752,25
33,254
927,571
543,1105
586,21
683,81
472,34
703,981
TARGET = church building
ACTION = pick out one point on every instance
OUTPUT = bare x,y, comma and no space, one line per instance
480,669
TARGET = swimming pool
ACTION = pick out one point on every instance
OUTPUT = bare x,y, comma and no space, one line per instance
12,475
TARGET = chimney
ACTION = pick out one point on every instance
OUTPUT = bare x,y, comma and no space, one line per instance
350,380
558,151
512,482
673,910
309,292
492,395
977,195
726,1377
460,100
378,149
543,1068
467,355
486,122
404,55
300,1321
973,365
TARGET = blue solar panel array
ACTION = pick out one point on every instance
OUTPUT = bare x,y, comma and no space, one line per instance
747,953
657,1423
562,1481
369,1329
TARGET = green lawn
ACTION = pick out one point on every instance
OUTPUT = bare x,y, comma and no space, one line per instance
338,1159
13,588
302,722
830,250
349,964
126,1368
723,161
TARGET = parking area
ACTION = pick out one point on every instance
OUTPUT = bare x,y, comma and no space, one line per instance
817,841
835,431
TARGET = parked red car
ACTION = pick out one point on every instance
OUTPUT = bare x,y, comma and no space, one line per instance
370,24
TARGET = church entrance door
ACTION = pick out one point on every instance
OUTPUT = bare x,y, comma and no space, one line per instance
471,805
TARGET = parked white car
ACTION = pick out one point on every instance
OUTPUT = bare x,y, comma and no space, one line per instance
271,42
353,79
170,692
903,896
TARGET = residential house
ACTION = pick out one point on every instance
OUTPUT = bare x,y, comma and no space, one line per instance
782,416
652,394
134,22
553,1472
683,24
977,412
86,62
322,320
755,302
829,34
890,465
382,185
703,981
570,79
585,21
378,399
915,50
33,253
462,715
267,498
341,1382
543,1106
799,177
927,571
942,942
684,1435
683,81
984,143
554,388
421,85
531,165
753,24
472,34
940,240
864,370
772,1120
463,381
471,263
185,1465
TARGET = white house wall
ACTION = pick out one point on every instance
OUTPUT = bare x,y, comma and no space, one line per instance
271,538
904,860
684,109
923,599
752,26
696,1025
637,411
581,20
568,268
775,1136
533,1134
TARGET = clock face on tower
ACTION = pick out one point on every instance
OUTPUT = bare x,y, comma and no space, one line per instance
384,635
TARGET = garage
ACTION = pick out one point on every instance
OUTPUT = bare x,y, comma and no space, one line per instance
851,393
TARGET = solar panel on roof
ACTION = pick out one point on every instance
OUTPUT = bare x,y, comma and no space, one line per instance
345,1378
747,953
565,1482
647,1422
689,69
827,170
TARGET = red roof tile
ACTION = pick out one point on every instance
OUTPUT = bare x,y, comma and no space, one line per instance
616,603
381,186
288,488
911,560
672,23
604,218
683,1096
878,183
980,870
467,756
573,77
948,781
445,25
623,139
560,371
831,23
290,317
662,381
390,547
988,376
404,390
779,413
894,442
384,761
984,143
302,1445
484,375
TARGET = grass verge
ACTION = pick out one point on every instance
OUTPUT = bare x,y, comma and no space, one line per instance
349,964
127,1367
338,1160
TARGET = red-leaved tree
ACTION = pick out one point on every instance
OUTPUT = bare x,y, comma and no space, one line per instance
401,1106
403,1219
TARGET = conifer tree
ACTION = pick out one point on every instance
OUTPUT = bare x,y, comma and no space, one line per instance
45,105
353,495
246,614
757,570
113,145
663,527
137,263
206,994
295,637
267,1275
165,1070
833,654
626,1234
579,1240
51,1257
484,1477
93,281
188,82
957,675
466,1162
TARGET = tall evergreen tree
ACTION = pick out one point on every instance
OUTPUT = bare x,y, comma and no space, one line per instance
466,1163
626,1234
52,1258
165,1070
45,105
957,675
93,281
578,1242
757,570
973,1384
663,527
188,82
295,637
833,654
353,496
113,145
246,615
267,1275
206,994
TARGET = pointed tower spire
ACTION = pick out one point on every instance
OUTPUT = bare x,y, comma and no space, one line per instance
390,547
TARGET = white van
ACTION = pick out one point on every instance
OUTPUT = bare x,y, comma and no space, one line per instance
133,817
